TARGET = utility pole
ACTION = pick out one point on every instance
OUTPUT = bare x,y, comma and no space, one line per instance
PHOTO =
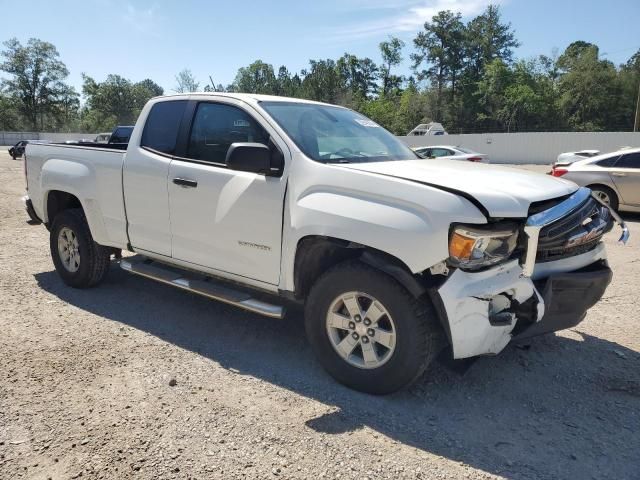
636,124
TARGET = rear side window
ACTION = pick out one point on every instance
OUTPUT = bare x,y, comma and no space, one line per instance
608,162
121,135
216,126
630,160
161,128
441,152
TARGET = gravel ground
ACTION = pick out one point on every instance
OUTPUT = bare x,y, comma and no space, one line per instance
137,380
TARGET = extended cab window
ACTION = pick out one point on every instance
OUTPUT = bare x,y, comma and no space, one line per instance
630,160
121,135
162,125
216,126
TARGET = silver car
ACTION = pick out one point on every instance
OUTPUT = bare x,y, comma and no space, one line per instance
614,177
448,152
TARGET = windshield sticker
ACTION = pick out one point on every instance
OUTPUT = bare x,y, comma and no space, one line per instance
241,123
367,123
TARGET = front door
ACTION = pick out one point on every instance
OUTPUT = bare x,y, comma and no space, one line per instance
223,219
626,176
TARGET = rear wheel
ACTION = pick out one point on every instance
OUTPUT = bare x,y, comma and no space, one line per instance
367,331
79,261
607,195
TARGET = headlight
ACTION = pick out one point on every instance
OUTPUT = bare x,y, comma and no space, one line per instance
475,247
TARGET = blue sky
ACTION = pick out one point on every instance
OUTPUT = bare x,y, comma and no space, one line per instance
156,39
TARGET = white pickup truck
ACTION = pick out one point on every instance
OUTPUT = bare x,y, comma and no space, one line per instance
260,201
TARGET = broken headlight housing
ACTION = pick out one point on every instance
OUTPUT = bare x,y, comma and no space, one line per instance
473,247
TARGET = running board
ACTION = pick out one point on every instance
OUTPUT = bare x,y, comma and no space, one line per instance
200,284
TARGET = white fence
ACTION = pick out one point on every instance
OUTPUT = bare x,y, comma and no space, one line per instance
11,138
539,147
523,148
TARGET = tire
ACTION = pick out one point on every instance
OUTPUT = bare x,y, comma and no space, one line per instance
93,259
418,336
606,193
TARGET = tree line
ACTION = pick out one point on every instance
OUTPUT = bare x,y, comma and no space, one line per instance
463,75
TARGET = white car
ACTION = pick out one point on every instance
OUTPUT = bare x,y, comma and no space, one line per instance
431,128
568,158
448,152
260,202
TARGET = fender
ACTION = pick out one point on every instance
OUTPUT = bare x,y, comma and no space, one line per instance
79,180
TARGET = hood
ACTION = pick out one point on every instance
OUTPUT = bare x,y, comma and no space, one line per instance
502,191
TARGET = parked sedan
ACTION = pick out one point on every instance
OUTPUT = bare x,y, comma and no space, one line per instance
450,153
567,158
614,177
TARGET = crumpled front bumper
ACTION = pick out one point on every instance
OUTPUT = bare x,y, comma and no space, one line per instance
485,310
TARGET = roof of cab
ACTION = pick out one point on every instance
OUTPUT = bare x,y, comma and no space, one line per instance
247,97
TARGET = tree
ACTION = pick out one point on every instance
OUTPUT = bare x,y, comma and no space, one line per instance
186,82
36,78
440,54
358,75
391,52
9,119
149,88
116,101
256,78
322,81
286,84
590,90
487,39
411,110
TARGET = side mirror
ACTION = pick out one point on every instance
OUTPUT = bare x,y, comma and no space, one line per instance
249,157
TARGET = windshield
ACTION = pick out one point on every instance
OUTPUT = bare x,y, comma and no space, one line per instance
336,135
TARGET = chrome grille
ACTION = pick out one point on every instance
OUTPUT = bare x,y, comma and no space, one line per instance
574,234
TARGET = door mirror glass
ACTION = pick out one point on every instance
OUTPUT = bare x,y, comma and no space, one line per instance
249,157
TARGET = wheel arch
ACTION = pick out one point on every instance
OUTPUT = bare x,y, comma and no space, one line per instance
57,201
315,254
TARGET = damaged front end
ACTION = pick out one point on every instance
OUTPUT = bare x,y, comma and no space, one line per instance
546,286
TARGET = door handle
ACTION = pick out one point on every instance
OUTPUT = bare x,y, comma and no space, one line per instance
185,182
618,174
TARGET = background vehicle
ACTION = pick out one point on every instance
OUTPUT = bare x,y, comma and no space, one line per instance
448,152
18,149
260,201
614,177
121,135
432,128
103,137
568,158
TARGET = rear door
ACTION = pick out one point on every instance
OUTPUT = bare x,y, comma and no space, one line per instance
145,174
626,177
223,219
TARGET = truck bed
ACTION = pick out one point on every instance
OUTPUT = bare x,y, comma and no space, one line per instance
90,171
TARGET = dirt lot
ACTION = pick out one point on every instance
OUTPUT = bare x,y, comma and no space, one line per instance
85,387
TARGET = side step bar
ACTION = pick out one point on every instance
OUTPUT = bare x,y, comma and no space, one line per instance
200,284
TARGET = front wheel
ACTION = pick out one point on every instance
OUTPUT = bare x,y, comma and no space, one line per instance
368,332
79,261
